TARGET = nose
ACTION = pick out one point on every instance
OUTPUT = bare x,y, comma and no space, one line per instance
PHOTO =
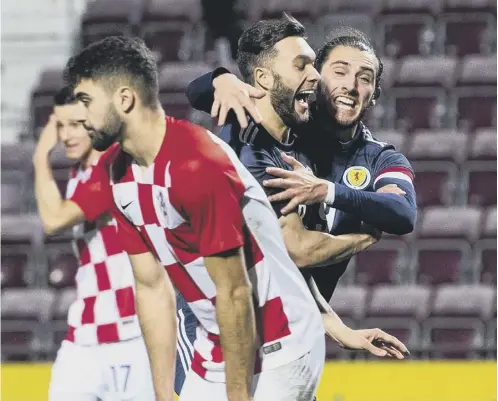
350,83
63,133
313,75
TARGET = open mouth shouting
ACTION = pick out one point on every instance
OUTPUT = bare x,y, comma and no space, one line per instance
345,103
302,100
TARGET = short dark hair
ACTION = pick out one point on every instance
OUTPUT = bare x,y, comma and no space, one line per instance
257,43
114,59
65,96
349,37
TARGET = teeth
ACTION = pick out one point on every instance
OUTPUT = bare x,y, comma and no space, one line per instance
345,100
310,92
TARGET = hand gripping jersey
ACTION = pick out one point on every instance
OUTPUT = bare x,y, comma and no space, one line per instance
104,311
196,200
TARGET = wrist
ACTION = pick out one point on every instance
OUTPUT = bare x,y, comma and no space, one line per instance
330,194
217,73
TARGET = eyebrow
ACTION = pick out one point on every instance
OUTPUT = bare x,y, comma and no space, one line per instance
306,59
345,63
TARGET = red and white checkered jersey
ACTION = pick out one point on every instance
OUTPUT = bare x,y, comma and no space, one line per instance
104,311
197,200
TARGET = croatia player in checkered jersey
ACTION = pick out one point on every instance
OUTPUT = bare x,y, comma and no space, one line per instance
190,206
103,355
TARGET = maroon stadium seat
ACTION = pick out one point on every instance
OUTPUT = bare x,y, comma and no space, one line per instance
15,262
435,183
454,338
454,222
103,18
24,313
469,33
403,35
480,182
446,145
49,83
427,71
485,261
483,146
16,156
491,339
62,269
380,264
475,107
166,26
439,262
392,137
173,79
478,70
389,72
12,198
419,108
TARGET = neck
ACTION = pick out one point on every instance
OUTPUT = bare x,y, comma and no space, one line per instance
271,120
91,157
144,134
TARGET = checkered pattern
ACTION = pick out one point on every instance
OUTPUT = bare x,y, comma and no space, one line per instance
185,215
104,311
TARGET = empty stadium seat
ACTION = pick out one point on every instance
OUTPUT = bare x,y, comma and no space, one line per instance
15,266
167,27
435,183
444,145
24,314
475,107
103,18
62,269
369,7
479,179
489,223
380,264
400,301
478,70
465,6
469,33
483,145
173,79
297,8
451,222
12,198
427,71
403,35
412,7
418,108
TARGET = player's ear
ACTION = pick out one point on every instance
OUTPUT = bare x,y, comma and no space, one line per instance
263,78
125,99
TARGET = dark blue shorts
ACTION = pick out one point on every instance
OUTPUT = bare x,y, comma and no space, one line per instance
187,324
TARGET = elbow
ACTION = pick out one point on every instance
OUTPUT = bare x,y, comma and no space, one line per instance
405,223
50,227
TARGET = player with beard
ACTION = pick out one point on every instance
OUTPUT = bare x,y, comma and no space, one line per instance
275,58
103,353
363,179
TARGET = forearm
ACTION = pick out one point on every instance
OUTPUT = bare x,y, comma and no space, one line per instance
334,326
48,197
235,315
156,309
317,248
390,213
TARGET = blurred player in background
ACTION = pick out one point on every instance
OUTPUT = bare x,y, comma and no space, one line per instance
368,181
103,354
190,207
274,56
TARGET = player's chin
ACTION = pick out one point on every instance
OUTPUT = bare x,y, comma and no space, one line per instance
301,115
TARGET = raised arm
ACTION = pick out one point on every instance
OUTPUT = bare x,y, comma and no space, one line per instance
156,309
56,213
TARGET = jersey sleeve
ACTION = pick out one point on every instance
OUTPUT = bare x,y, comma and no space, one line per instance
257,162
129,237
392,167
210,198
94,196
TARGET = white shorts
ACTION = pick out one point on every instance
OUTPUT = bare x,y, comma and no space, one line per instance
295,381
108,372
